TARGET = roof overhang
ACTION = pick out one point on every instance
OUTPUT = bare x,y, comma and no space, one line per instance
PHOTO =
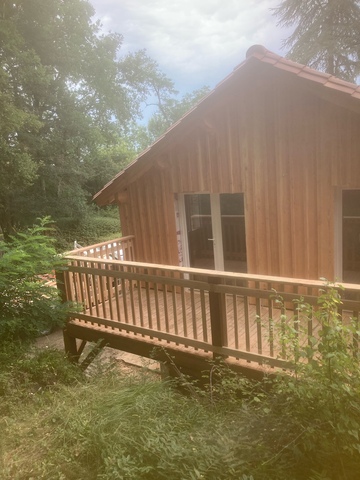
327,87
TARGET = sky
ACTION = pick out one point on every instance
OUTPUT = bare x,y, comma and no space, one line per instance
195,42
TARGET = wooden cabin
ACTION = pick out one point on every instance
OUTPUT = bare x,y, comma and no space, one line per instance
262,176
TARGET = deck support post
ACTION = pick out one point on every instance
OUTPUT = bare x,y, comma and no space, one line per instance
217,316
70,347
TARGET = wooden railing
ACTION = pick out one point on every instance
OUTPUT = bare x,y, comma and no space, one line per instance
117,249
234,315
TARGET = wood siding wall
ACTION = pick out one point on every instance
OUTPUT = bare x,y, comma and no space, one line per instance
282,146
150,214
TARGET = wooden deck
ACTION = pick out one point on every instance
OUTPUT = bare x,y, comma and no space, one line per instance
183,318
136,307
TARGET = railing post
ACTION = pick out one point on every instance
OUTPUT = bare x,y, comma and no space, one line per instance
69,342
217,316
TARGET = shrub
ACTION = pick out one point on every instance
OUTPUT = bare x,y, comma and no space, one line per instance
309,424
94,227
25,372
28,303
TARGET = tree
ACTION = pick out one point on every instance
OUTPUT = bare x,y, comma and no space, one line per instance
326,35
169,109
66,97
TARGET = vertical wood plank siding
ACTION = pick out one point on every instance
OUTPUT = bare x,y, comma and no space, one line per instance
282,146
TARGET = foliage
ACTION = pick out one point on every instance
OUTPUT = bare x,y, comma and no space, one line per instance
121,427
169,110
296,426
326,35
313,416
67,99
94,227
28,304
25,373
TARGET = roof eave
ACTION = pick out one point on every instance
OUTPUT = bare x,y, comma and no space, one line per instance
333,89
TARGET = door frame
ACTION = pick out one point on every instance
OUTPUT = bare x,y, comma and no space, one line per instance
183,230
338,234
215,225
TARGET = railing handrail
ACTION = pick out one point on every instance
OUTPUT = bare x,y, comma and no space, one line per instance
225,275
238,304
99,245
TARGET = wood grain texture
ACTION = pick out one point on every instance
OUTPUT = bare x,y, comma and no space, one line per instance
284,147
226,314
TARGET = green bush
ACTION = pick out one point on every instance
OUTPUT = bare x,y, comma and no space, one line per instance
28,304
25,372
96,226
308,426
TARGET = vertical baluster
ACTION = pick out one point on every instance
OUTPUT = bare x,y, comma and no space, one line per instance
296,326
111,288
247,323
174,303
75,284
310,332
102,282
95,291
236,323
141,310
204,316
88,290
183,306
117,299
132,303
81,283
166,313
193,313
258,320
283,331
148,304
157,308
124,284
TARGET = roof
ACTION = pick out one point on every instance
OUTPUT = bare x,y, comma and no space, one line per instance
332,88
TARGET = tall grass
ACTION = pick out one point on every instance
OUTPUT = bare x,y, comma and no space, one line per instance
117,427
57,424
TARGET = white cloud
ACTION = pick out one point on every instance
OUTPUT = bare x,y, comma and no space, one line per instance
195,42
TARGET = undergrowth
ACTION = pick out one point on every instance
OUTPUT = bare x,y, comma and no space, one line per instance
58,424
29,304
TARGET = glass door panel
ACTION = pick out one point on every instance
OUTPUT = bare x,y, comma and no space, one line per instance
215,226
233,232
199,231
351,236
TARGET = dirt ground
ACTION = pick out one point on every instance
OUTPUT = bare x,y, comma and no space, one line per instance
125,360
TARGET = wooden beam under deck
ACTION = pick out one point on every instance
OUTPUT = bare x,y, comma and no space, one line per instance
247,340
188,360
